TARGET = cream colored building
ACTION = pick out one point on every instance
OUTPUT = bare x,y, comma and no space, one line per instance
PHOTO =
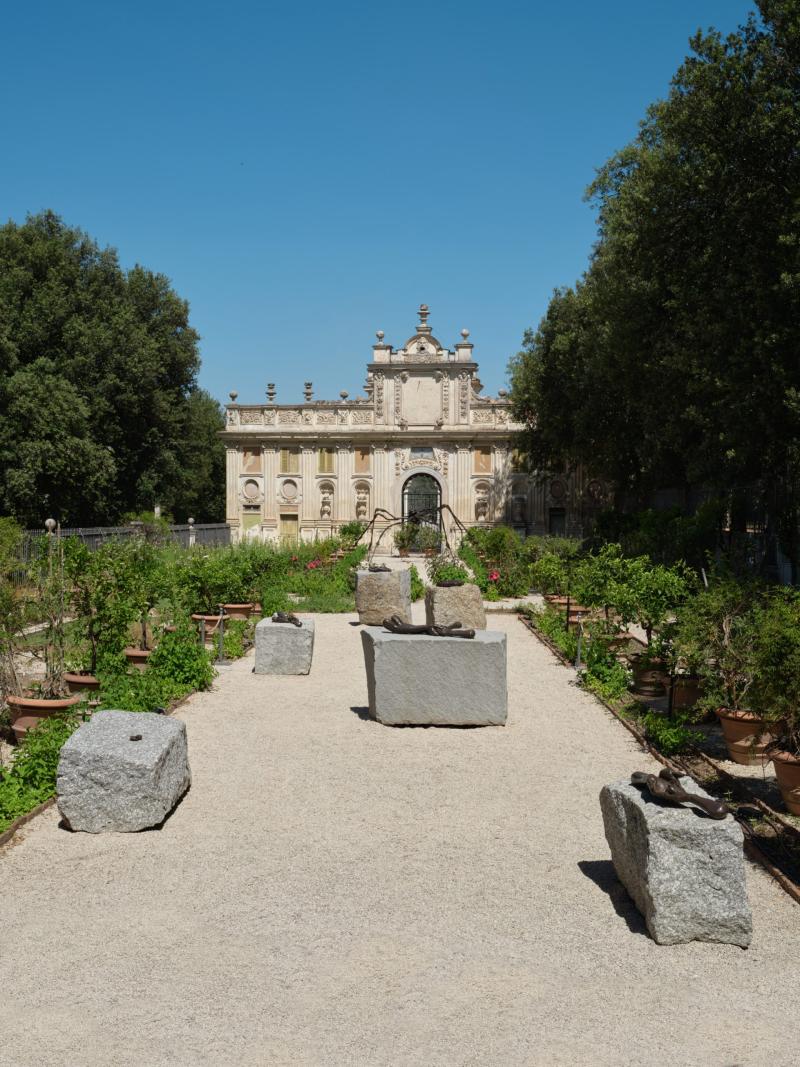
422,433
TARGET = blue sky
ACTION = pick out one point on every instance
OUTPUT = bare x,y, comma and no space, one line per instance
306,174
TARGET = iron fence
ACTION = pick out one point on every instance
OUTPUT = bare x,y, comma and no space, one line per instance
34,542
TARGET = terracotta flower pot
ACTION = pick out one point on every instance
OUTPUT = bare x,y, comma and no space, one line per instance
649,677
787,771
239,611
28,712
138,657
556,599
747,736
686,690
81,681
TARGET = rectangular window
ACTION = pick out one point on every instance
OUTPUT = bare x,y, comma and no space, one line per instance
362,458
290,461
483,460
251,461
325,461
422,452
557,522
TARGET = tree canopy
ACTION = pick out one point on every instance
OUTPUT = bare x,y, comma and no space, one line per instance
674,361
100,412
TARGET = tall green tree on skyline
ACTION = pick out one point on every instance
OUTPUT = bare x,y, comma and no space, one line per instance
100,412
674,360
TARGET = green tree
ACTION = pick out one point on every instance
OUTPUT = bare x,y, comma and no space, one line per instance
99,384
673,362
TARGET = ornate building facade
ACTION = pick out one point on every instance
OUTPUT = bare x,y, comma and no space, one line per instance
422,431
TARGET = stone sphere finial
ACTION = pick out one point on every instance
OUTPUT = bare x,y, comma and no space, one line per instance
380,335
344,394
502,393
190,522
233,396
50,525
465,333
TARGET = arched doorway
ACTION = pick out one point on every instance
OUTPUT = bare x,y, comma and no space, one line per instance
421,499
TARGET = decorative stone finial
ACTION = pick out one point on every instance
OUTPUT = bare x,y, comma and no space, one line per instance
233,396
465,333
502,393
271,392
423,314
190,521
307,390
344,394
380,335
50,525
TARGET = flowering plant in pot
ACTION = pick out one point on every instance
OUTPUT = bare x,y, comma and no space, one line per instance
717,631
775,693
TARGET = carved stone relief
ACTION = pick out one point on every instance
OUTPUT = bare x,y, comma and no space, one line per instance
362,500
253,417
362,417
482,415
288,416
325,418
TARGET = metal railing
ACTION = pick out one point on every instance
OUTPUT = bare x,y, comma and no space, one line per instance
34,542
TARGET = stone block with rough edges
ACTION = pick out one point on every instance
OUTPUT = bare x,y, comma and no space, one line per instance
684,871
445,605
381,594
122,771
282,648
444,681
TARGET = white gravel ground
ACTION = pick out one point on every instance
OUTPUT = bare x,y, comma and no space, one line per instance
333,891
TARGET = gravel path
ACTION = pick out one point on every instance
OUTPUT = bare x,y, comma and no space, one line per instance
332,891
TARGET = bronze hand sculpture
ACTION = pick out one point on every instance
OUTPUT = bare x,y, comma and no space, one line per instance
286,616
395,625
667,787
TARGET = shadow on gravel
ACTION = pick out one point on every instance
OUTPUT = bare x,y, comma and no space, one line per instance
363,713
602,873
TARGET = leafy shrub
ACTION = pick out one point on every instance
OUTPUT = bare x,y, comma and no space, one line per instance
670,735
549,574
417,584
179,658
31,777
351,531
234,637
444,569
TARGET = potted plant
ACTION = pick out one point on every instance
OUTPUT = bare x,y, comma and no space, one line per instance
45,606
102,609
717,631
142,579
648,595
405,537
428,540
775,693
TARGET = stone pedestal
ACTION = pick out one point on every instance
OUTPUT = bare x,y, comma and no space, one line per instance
381,594
445,605
684,871
282,648
442,681
122,771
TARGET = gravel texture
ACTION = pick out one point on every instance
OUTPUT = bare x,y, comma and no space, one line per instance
331,891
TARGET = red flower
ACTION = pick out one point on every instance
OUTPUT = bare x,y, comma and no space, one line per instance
494,575
294,559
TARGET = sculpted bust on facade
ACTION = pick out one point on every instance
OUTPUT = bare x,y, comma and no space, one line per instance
304,470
